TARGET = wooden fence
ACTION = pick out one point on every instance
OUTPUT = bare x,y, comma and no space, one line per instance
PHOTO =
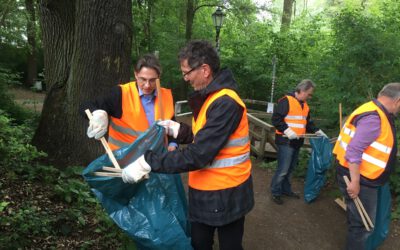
262,136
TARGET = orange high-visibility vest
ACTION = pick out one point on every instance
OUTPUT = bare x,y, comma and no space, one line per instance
296,118
133,123
232,166
376,156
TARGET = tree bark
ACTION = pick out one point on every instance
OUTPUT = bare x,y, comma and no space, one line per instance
31,34
190,11
87,47
287,14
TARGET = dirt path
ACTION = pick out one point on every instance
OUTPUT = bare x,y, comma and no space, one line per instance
296,224
28,99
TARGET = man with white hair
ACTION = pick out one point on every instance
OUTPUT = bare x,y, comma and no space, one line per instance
366,151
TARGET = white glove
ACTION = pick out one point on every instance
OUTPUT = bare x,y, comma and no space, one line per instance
290,134
136,171
171,127
98,124
321,133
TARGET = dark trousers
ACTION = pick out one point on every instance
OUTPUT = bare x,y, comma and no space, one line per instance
229,236
287,160
357,235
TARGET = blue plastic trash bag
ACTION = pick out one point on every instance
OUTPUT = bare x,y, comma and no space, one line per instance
382,221
152,212
319,163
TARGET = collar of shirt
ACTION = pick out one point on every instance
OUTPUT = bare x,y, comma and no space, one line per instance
142,94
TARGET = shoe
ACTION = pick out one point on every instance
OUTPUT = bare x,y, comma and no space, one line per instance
293,195
277,199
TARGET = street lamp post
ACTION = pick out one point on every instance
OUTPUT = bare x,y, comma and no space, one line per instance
218,18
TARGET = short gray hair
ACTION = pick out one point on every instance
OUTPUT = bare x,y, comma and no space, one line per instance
391,90
305,85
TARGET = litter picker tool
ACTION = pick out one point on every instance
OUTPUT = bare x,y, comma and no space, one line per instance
308,136
340,116
110,172
361,210
160,106
105,144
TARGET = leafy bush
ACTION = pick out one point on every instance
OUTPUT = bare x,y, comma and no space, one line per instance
14,143
41,205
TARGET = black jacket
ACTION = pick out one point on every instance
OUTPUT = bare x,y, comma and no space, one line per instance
279,123
219,207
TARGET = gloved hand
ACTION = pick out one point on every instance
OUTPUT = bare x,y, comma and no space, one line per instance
321,133
171,127
290,134
98,124
135,171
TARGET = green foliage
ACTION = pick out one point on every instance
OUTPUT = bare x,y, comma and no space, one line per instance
301,170
14,144
26,220
40,204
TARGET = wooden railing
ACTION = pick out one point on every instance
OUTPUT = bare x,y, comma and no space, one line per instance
262,137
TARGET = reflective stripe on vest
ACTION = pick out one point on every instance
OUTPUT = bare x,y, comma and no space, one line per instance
368,157
237,142
133,122
296,118
232,166
226,162
376,156
123,130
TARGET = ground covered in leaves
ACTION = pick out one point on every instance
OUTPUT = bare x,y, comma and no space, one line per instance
48,209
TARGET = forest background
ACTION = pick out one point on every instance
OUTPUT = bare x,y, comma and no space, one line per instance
79,49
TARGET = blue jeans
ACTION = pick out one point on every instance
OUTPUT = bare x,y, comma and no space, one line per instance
287,160
357,235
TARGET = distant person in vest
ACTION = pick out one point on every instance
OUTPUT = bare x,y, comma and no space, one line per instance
132,107
217,156
366,151
291,119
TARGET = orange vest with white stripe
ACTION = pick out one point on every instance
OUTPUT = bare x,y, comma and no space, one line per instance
296,117
232,166
376,155
133,122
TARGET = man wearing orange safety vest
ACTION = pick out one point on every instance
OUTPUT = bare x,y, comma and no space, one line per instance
217,156
132,107
366,152
291,119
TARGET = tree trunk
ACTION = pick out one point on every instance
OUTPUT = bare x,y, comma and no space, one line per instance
287,14
190,12
31,34
87,47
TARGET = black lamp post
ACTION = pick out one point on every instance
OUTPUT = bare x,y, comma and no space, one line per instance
218,18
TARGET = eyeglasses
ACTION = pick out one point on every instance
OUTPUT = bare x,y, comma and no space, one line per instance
190,71
151,81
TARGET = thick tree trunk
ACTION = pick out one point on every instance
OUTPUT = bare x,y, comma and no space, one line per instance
87,48
31,34
287,14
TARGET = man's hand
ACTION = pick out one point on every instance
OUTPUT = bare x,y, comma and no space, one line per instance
171,127
98,124
135,171
321,133
353,189
290,134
